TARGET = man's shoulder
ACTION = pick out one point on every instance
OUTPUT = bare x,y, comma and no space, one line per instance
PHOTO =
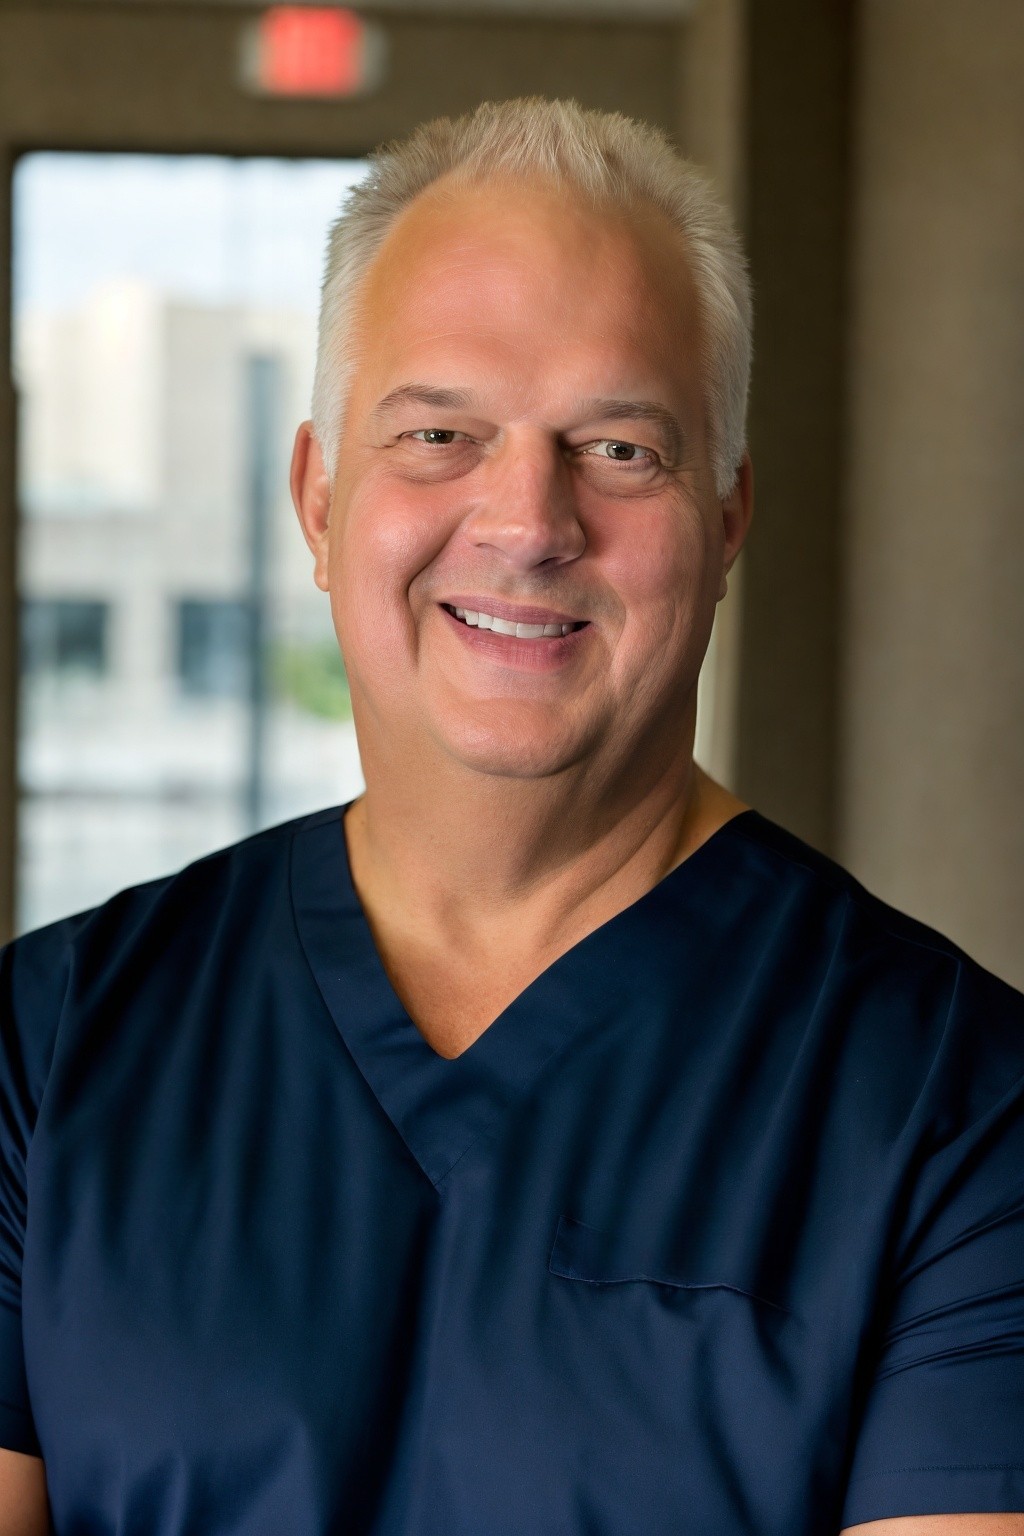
792,869
223,909
245,871
896,997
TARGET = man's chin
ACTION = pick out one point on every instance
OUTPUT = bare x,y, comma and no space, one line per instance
514,754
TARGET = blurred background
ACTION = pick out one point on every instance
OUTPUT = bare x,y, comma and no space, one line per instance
169,678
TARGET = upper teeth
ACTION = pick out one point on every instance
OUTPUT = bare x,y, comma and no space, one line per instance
506,627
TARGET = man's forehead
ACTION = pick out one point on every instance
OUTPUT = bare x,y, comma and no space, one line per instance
480,225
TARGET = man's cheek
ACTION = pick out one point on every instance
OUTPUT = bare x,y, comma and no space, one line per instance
656,568
374,619
394,537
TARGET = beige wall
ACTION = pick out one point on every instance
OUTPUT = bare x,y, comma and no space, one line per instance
932,781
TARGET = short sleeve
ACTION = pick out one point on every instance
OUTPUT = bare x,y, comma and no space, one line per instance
34,974
942,1424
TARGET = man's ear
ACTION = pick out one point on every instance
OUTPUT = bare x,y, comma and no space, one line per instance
311,493
737,510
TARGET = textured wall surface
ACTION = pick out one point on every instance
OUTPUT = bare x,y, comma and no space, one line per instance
933,701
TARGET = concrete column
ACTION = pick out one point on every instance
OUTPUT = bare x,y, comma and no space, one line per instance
932,762
796,157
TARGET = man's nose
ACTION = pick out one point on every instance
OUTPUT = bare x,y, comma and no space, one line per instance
527,508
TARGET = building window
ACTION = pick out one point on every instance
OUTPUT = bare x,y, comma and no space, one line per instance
64,637
144,291
212,647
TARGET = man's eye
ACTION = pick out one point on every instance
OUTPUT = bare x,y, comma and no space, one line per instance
440,436
619,452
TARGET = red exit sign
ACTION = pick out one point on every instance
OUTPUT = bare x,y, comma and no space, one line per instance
305,51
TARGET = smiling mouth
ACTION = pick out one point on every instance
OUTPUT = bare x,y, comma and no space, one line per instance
517,631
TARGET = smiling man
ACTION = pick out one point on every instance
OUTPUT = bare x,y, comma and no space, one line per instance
546,1143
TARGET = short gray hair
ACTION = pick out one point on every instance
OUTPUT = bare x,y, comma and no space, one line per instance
603,156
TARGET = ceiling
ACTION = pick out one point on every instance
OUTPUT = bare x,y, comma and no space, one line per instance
611,10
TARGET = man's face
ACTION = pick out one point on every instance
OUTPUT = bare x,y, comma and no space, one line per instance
524,440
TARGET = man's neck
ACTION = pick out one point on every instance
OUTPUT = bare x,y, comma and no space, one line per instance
482,874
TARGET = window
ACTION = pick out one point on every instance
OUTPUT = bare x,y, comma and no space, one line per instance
212,647
64,636
164,335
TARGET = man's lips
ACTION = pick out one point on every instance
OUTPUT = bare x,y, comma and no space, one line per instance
513,613
520,644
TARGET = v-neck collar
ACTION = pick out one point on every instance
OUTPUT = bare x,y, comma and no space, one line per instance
440,1106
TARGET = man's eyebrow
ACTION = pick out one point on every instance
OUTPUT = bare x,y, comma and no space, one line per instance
639,410
424,394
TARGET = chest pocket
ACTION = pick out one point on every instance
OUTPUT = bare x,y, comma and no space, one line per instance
681,1377
599,1257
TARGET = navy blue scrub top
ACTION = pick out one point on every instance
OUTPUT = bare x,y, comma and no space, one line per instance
718,1228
